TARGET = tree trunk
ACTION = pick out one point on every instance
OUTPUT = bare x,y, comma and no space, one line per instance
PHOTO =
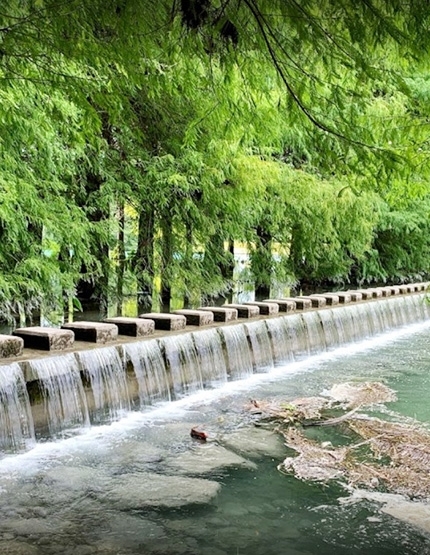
143,262
167,256
121,257
262,264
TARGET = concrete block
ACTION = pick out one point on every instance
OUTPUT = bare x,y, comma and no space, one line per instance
366,294
344,297
94,332
386,291
196,317
46,338
266,308
165,321
221,313
316,301
355,296
284,305
133,327
245,310
331,300
10,346
302,303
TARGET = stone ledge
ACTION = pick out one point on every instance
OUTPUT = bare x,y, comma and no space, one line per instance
245,310
331,300
366,294
94,332
196,317
284,305
344,297
10,346
266,308
221,313
165,321
386,291
302,303
46,338
356,296
316,301
133,327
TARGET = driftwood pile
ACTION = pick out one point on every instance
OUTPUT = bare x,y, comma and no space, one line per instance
383,455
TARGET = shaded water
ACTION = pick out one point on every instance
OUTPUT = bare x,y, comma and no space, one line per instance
78,496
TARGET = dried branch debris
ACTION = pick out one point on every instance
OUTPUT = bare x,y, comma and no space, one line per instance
383,455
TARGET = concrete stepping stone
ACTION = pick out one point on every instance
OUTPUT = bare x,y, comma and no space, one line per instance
266,308
94,332
394,289
418,286
404,289
221,313
166,321
46,338
196,317
133,327
302,303
376,293
386,291
245,310
355,296
366,293
344,297
331,300
10,346
284,305
316,301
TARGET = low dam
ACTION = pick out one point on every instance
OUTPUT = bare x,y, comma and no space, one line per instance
49,395
97,455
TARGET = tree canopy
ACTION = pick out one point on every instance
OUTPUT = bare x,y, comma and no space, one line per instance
141,140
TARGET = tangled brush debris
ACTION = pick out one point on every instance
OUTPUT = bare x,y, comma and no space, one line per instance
381,454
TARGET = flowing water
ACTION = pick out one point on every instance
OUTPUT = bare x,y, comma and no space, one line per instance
141,485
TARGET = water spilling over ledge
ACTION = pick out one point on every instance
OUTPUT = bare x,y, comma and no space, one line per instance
54,395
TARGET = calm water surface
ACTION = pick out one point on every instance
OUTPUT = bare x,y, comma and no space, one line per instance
56,498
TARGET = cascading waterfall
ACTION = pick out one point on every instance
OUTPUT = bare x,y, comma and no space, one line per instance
261,350
16,422
104,372
211,356
149,368
296,334
62,392
239,359
332,327
314,330
183,363
70,391
280,341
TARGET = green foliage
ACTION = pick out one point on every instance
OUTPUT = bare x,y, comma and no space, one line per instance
299,129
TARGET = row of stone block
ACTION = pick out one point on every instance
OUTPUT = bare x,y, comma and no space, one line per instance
57,339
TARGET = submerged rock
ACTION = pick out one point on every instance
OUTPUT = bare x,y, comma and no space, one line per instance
18,548
208,458
144,490
255,442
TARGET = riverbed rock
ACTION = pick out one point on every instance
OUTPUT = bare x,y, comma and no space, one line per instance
207,458
122,530
144,490
134,456
34,527
255,442
14,547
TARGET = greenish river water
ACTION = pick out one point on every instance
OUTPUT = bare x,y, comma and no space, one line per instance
69,497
